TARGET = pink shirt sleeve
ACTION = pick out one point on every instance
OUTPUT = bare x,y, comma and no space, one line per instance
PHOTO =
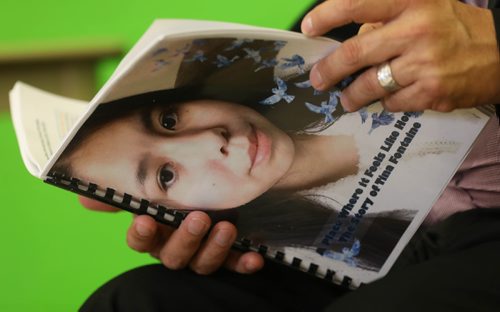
476,184
479,3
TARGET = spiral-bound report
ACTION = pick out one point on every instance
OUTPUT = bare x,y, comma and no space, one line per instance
223,118
122,201
171,218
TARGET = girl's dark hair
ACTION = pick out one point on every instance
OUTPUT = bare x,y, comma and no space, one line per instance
293,220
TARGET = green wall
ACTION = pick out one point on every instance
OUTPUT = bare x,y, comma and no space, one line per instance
54,252
34,19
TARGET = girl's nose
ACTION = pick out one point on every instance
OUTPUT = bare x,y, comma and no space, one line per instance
208,144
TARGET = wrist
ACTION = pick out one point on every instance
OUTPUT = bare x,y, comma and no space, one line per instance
483,31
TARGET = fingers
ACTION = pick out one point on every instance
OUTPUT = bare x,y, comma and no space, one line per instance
366,88
189,246
359,52
373,45
144,235
419,96
214,251
96,205
429,45
335,13
184,242
245,263
348,102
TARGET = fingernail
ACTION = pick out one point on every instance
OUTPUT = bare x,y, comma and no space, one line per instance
315,77
307,26
143,230
197,226
345,103
223,238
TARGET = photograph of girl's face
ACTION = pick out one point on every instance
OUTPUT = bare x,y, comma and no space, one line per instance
202,154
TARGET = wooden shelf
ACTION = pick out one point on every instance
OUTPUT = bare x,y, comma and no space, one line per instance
65,67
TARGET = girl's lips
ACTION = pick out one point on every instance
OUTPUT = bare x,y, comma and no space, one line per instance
260,147
252,147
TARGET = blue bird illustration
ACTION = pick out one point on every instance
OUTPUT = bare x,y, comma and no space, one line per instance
253,54
303,84
237,43
198,56
363,112
279,94
267,64
159,51
294,61
333,99
348,255
159,64
307,84
223,61
383,119
326,108
184,50
279,44
200,42
353,251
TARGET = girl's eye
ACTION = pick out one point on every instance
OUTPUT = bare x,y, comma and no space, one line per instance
168,120
166,176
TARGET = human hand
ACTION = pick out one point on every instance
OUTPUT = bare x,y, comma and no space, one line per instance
188,245
443,53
